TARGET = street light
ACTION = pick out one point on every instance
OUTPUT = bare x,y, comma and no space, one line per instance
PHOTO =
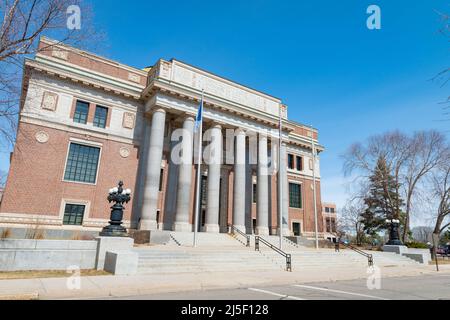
119,196
394,238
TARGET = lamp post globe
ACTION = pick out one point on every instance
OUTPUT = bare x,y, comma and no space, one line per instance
119,196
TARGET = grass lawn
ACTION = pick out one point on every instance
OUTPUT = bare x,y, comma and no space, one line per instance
47,274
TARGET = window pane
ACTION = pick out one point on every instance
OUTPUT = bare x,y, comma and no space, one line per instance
73,214
299,164
81,112
254,193
290,161
82,163
161,175
295,195
101,114
203,190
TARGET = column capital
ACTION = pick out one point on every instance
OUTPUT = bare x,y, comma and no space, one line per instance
216,125
239,131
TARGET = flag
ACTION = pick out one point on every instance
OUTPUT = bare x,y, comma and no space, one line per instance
199,117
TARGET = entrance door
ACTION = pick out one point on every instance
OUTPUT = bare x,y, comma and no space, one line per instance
296,228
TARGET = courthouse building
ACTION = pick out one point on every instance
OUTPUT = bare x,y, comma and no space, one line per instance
87,122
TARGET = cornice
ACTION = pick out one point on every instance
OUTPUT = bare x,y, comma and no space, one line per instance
89,79
192,95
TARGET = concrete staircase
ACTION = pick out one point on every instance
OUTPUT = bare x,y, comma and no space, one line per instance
227,253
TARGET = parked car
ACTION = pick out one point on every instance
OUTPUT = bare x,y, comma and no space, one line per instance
444,250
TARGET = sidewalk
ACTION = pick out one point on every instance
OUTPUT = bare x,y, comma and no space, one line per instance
121,286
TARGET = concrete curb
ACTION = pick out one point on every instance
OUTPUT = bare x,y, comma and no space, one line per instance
20,296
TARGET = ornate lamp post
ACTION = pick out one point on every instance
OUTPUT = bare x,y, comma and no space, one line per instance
394,238
119,196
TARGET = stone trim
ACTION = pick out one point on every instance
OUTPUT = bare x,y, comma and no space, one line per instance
76,130
64,201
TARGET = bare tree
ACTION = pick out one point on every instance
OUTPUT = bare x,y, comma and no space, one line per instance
422,233
427,150
410,159
24,22
441,190
349,219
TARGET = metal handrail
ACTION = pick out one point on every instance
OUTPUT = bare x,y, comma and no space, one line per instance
367,255
271,246
247,237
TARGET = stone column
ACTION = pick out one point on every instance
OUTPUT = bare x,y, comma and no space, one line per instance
262,183
282,178
239,182
215,160
153,172
182,222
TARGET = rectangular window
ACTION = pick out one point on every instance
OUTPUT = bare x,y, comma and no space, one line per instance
327,210
328,224
296,228
290,161
73,214
161,175
332,210
254,193
101,114
203,190
82,163
295,195
81,112
299,164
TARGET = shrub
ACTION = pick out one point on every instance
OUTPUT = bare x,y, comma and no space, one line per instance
416,245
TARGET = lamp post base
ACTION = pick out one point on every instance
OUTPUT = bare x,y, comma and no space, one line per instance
395,242
114,231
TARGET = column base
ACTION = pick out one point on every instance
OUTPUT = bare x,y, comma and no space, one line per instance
148,225
182,227
212,228
262,231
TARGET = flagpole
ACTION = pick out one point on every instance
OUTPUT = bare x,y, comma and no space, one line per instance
314,188
199,161
280,183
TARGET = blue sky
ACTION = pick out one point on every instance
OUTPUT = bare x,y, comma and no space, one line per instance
317,56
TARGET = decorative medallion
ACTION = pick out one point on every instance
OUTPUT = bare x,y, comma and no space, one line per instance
124,152
49,101
128,120
60,54
41,136
134,77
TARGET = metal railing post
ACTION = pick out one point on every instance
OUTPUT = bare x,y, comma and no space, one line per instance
256,243
288,263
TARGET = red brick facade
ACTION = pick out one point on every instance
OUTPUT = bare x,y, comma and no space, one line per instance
36,183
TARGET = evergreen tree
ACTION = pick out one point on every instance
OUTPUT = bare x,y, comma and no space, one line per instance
383,201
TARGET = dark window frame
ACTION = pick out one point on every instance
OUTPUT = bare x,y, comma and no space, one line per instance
254,192
81,113
299,163
74,214
100,120
82,163
295,195
290,161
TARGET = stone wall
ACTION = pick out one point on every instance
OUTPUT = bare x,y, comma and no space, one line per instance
25,254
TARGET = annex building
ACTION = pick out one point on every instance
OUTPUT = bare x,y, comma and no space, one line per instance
87,122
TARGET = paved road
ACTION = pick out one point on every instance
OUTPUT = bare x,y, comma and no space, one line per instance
422,287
